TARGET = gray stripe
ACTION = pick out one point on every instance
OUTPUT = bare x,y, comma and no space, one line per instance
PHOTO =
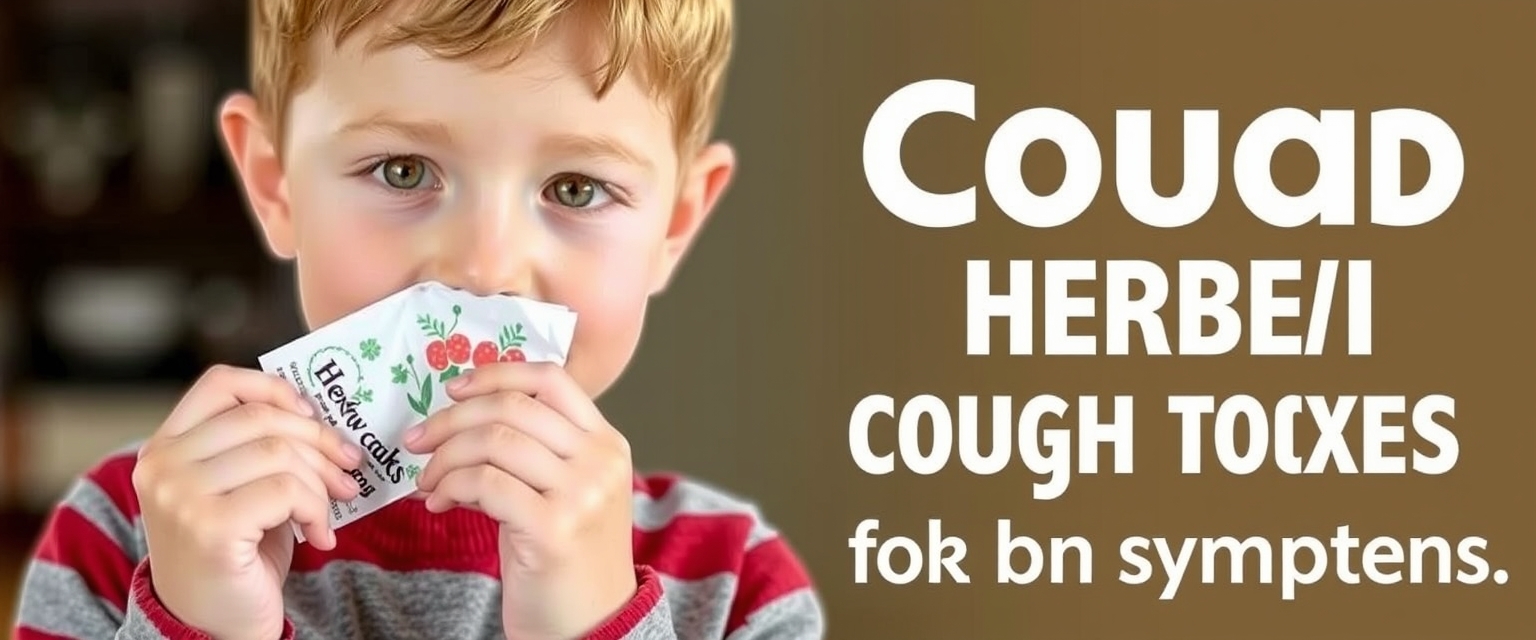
94,503
138,627
695,604
695,498
56,600
796,615
357,600
657,625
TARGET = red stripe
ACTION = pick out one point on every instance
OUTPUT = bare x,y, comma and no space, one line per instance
406,537
353,548
769,571
695,546
28,633
402,538
655,486
115,477
72,541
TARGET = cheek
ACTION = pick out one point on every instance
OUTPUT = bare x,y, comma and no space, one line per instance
609,292
612,311
348,258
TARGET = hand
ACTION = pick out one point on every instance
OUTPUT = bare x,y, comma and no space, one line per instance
526,446
237,460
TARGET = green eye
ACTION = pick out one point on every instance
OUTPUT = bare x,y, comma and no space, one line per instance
405,173
576,192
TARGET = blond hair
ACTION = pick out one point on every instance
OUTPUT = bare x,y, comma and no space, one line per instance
683,46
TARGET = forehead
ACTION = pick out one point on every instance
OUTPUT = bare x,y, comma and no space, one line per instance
548,89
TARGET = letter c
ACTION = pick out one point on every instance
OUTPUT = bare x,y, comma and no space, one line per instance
882,154
858,434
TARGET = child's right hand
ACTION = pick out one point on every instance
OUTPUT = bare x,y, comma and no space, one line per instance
238,459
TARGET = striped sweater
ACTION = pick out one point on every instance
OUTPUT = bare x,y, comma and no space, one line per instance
708,567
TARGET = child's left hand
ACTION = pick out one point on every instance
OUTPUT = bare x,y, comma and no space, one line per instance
526,446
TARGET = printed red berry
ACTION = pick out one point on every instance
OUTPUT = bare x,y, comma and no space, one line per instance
447,342
437,355
458,348
514,355
485,353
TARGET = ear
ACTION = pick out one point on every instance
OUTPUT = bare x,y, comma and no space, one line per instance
259,168
708,175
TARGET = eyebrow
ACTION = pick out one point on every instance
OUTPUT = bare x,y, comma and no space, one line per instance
600,146
438,133
421,131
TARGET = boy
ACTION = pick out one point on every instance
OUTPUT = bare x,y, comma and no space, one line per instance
545,148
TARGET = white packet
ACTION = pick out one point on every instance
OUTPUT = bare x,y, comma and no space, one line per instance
381,370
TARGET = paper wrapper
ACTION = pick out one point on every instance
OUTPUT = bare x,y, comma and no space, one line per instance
381,370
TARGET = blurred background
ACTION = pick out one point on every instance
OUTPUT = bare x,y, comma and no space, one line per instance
126,261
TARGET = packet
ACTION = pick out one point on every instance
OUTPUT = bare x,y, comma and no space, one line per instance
381,370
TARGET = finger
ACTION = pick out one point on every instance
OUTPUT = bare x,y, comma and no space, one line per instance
274,501
493,492
511,451
272,455
514,408
546,381
249,422
223,388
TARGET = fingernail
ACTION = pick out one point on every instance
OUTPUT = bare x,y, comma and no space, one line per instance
353,452
458,381
413,434
305,408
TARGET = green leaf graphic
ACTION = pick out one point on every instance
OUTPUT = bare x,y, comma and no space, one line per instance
511,336
363,396
370,349
399,374
432,326
449,374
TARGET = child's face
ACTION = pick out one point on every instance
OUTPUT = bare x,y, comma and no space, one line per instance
400,167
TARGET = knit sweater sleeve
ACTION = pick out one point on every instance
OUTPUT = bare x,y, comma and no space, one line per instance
712,567
88,578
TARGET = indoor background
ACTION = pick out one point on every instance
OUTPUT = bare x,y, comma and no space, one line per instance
128,264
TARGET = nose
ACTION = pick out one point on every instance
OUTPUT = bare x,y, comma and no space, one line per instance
487,251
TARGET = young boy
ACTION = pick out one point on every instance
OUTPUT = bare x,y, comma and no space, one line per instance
554,149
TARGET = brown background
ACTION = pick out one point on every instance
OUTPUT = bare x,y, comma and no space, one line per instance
805,296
